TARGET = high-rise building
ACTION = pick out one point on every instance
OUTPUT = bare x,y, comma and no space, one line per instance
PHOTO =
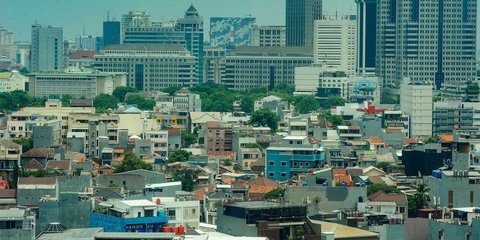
111,33
86,42
153,35
46,48
191,25
255,67
135,18
149,67
230,32
366,35
268,36
6,37
214,64
300,16
334,43
427,40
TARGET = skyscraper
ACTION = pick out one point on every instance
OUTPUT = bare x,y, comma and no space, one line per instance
230,32
46,48
425,40
300,15
111,33
135,18
366,35
334,43
192,26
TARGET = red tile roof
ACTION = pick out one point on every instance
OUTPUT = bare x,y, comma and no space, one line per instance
8,193
263,181
33,164
409,141
58,164
36,180
174,131
202,191
36,153
381,196
341,176
376,180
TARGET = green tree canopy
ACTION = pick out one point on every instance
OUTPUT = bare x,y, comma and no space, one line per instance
121,92
335,120
306,103
265,117
275,193
27,143
187,177
105,101
179,156
141,102
189,138
333,101
373,188
132,162
66,100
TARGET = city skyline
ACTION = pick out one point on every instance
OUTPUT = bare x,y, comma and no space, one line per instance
18,16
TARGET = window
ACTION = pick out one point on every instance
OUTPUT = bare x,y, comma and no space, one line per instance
450,198
283,174
271,174
283,163
271,163
149,213
139,214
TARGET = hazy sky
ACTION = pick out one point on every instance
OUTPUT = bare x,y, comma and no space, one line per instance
18,15
72,15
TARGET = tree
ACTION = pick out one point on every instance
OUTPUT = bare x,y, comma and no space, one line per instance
105,101
132,162
27,143
23,71
189,138
265,117
171,90
333,101
141,102
247,104
373,188
306,104
66,100
121,92
187,177
284,88
419,200
227,163
179,156
335,120
275,193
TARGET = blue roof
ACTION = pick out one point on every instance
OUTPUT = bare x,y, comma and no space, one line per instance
132,109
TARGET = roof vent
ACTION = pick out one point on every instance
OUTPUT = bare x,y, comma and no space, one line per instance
55,227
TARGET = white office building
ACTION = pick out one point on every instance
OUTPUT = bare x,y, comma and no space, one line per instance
417,101
268,36
334,43
149,67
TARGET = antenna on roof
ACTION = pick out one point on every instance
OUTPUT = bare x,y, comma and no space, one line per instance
83,29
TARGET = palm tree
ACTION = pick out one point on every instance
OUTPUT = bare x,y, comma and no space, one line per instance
421,197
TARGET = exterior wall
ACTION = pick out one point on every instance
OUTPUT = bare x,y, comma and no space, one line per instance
68,211
461,189
168,68
115,224
267,36
235,226
282,163
249,67
186,213
12,81
214,65
416,100
453,231
330,198
33,195
77,85
335,43
300,17
46,48
223,28
389,231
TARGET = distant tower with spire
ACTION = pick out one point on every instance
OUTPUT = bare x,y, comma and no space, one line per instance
192,25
